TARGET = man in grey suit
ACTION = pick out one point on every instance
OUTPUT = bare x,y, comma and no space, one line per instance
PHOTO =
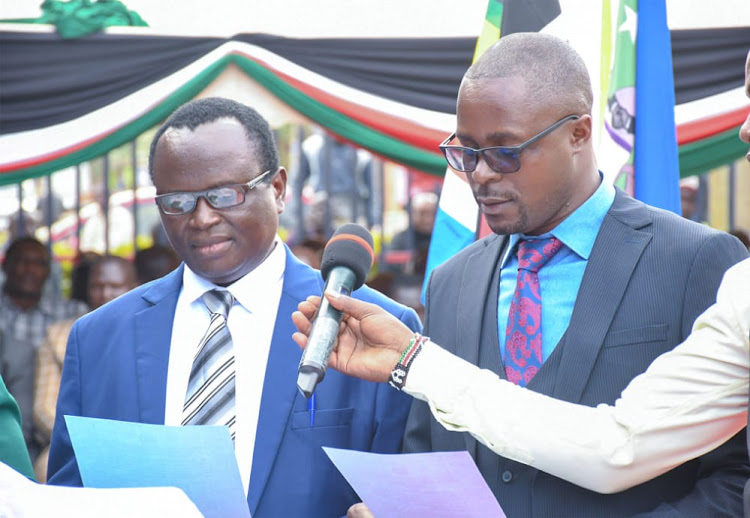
624,283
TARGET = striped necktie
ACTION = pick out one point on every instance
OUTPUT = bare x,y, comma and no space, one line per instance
210,395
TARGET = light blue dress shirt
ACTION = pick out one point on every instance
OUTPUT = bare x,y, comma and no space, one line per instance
560,278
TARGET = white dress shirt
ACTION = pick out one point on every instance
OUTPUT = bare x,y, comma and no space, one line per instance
251,322
689,401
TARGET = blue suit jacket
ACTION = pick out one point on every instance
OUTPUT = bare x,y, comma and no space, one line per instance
649,275
116,368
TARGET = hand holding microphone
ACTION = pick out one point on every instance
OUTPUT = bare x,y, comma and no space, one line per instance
347,260
370,340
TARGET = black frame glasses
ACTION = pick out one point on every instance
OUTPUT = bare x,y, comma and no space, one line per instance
501,159
221,197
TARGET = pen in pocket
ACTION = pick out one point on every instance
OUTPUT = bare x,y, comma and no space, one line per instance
311,408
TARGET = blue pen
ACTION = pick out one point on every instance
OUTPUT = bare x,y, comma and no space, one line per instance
311,409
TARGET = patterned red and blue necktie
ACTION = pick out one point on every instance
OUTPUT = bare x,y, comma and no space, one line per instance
523,335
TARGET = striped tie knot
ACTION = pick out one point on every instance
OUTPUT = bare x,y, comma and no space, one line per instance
218,302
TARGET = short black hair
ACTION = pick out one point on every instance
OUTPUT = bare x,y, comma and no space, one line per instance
554,73
16,245
202,111
154,262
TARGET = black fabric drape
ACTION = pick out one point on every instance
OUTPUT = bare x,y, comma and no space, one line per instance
45,80
422,72
708,61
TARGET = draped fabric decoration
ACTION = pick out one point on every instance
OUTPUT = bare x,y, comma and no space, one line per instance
63,102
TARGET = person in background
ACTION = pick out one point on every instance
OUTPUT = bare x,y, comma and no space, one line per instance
309,251
742,235
220,191
79,277
155,262
337,177
416,239
690,199
110,276
25,315
406,289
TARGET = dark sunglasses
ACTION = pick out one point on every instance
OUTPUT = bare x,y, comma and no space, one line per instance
222,197
501,159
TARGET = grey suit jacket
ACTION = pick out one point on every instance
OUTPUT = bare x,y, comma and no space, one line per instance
649,275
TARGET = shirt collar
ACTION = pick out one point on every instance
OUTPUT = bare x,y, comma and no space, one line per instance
247,290
579,230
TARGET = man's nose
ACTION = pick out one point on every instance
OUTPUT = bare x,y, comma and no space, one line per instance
204,214
483,173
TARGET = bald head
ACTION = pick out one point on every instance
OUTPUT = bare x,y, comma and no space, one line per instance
553,72
423,208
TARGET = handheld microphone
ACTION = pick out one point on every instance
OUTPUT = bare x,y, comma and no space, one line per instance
347,259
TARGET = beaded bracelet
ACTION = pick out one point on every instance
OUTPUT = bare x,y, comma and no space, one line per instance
399,372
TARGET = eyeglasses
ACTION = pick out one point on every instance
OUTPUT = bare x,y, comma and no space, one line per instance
501,159
223,197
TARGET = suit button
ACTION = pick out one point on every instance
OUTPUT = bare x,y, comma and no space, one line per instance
507,476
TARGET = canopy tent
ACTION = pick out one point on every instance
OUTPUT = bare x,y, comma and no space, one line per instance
66,101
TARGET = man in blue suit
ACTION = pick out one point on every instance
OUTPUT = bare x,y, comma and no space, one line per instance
220,191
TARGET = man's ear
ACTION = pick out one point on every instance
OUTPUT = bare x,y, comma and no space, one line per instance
581,134
279,186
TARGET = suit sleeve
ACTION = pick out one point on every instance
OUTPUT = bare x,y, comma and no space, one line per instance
62,468
724,471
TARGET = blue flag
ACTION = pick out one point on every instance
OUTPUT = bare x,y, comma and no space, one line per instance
657,171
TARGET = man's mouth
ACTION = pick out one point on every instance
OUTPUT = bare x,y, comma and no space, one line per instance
212,247
493,205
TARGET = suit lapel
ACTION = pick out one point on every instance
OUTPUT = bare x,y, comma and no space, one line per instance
153,336
280,383
472,299
476,282
617,249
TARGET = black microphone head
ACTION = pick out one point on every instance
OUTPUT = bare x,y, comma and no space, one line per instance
350,246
